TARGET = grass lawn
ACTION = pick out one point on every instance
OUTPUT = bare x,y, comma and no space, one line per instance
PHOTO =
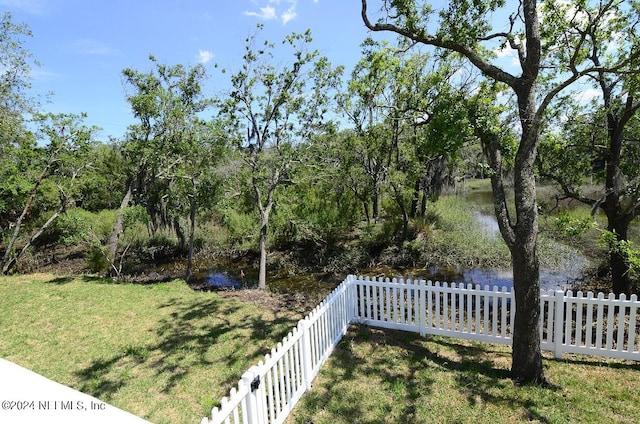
168,354
162,351
380,376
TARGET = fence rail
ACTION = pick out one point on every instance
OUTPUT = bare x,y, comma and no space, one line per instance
580,323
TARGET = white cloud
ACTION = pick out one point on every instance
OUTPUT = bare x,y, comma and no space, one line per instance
588,94
205,56
43,75
89,46
266,13
34,7
288,15
272,11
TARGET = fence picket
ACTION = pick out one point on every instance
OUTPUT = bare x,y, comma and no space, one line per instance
621,323
633,313
588,338
578,320
610,312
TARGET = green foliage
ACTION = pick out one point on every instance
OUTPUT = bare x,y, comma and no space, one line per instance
96,259
73,227
102,223
15,78
624,248
135,215
242,227
318,210
102,184
79,226
377,236
570,226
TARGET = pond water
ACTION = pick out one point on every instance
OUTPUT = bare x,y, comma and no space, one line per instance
562,279
567,272
227,275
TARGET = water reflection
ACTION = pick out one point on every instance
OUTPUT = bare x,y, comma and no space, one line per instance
562,279
222,277
219,279
229,276
222,281
488,224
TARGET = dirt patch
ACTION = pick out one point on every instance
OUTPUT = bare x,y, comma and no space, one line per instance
297,303
54,259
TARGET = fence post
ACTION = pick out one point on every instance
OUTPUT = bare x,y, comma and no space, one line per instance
558,323
353,299
251,379
422,308
306,353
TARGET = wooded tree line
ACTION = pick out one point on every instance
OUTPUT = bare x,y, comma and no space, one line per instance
299,151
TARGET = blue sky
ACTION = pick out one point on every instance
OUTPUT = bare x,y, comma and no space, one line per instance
83,45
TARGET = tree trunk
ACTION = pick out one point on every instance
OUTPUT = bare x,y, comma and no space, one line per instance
405,214
618,259
423,204
621,281
262,273
521,238
192,231
376,203
182,239
118,225
618,216
527,358
11,263
415,199
18,225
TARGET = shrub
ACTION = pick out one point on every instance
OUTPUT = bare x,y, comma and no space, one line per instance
242,227
74,227
570,226
96,260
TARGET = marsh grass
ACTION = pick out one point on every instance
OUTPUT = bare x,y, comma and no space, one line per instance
458,240
383,376
160,351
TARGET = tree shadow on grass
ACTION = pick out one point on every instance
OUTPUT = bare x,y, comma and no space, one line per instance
195,334
61,280
403,371
96,279
368,356
603,362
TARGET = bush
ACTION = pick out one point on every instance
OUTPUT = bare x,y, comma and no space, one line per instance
79,226
96,260
74,227
377,236
568,225
242,227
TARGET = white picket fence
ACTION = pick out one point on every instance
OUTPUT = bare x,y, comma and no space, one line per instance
577,323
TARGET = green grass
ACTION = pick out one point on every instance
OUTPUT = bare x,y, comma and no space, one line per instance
161,351
168,354
379,376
